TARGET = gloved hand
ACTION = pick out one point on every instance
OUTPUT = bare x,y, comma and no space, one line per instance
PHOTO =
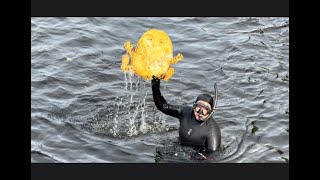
155,82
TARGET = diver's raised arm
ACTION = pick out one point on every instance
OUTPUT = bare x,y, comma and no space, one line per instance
161,103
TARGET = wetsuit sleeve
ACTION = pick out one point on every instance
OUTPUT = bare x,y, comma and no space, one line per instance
161,103
214,139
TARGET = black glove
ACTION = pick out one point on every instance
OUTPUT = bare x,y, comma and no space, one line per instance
155,82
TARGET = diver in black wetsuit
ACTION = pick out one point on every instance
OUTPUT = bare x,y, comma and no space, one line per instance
197,127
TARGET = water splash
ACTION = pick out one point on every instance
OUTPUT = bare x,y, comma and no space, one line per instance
144,127
130,114
125,78
139,120
131,76
132,127
115,130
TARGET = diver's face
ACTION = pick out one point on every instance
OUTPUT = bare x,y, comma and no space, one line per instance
201,110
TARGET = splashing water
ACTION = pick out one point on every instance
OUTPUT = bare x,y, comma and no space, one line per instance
129,115
125,78
131,75
131,112
144,127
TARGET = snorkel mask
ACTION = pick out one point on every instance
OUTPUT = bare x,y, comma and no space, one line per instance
203,109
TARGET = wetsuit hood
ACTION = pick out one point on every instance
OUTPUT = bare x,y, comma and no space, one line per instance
207,98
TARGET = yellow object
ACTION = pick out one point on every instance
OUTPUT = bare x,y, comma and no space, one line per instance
152,56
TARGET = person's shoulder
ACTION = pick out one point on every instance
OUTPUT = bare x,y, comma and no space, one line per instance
186,108
212,123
